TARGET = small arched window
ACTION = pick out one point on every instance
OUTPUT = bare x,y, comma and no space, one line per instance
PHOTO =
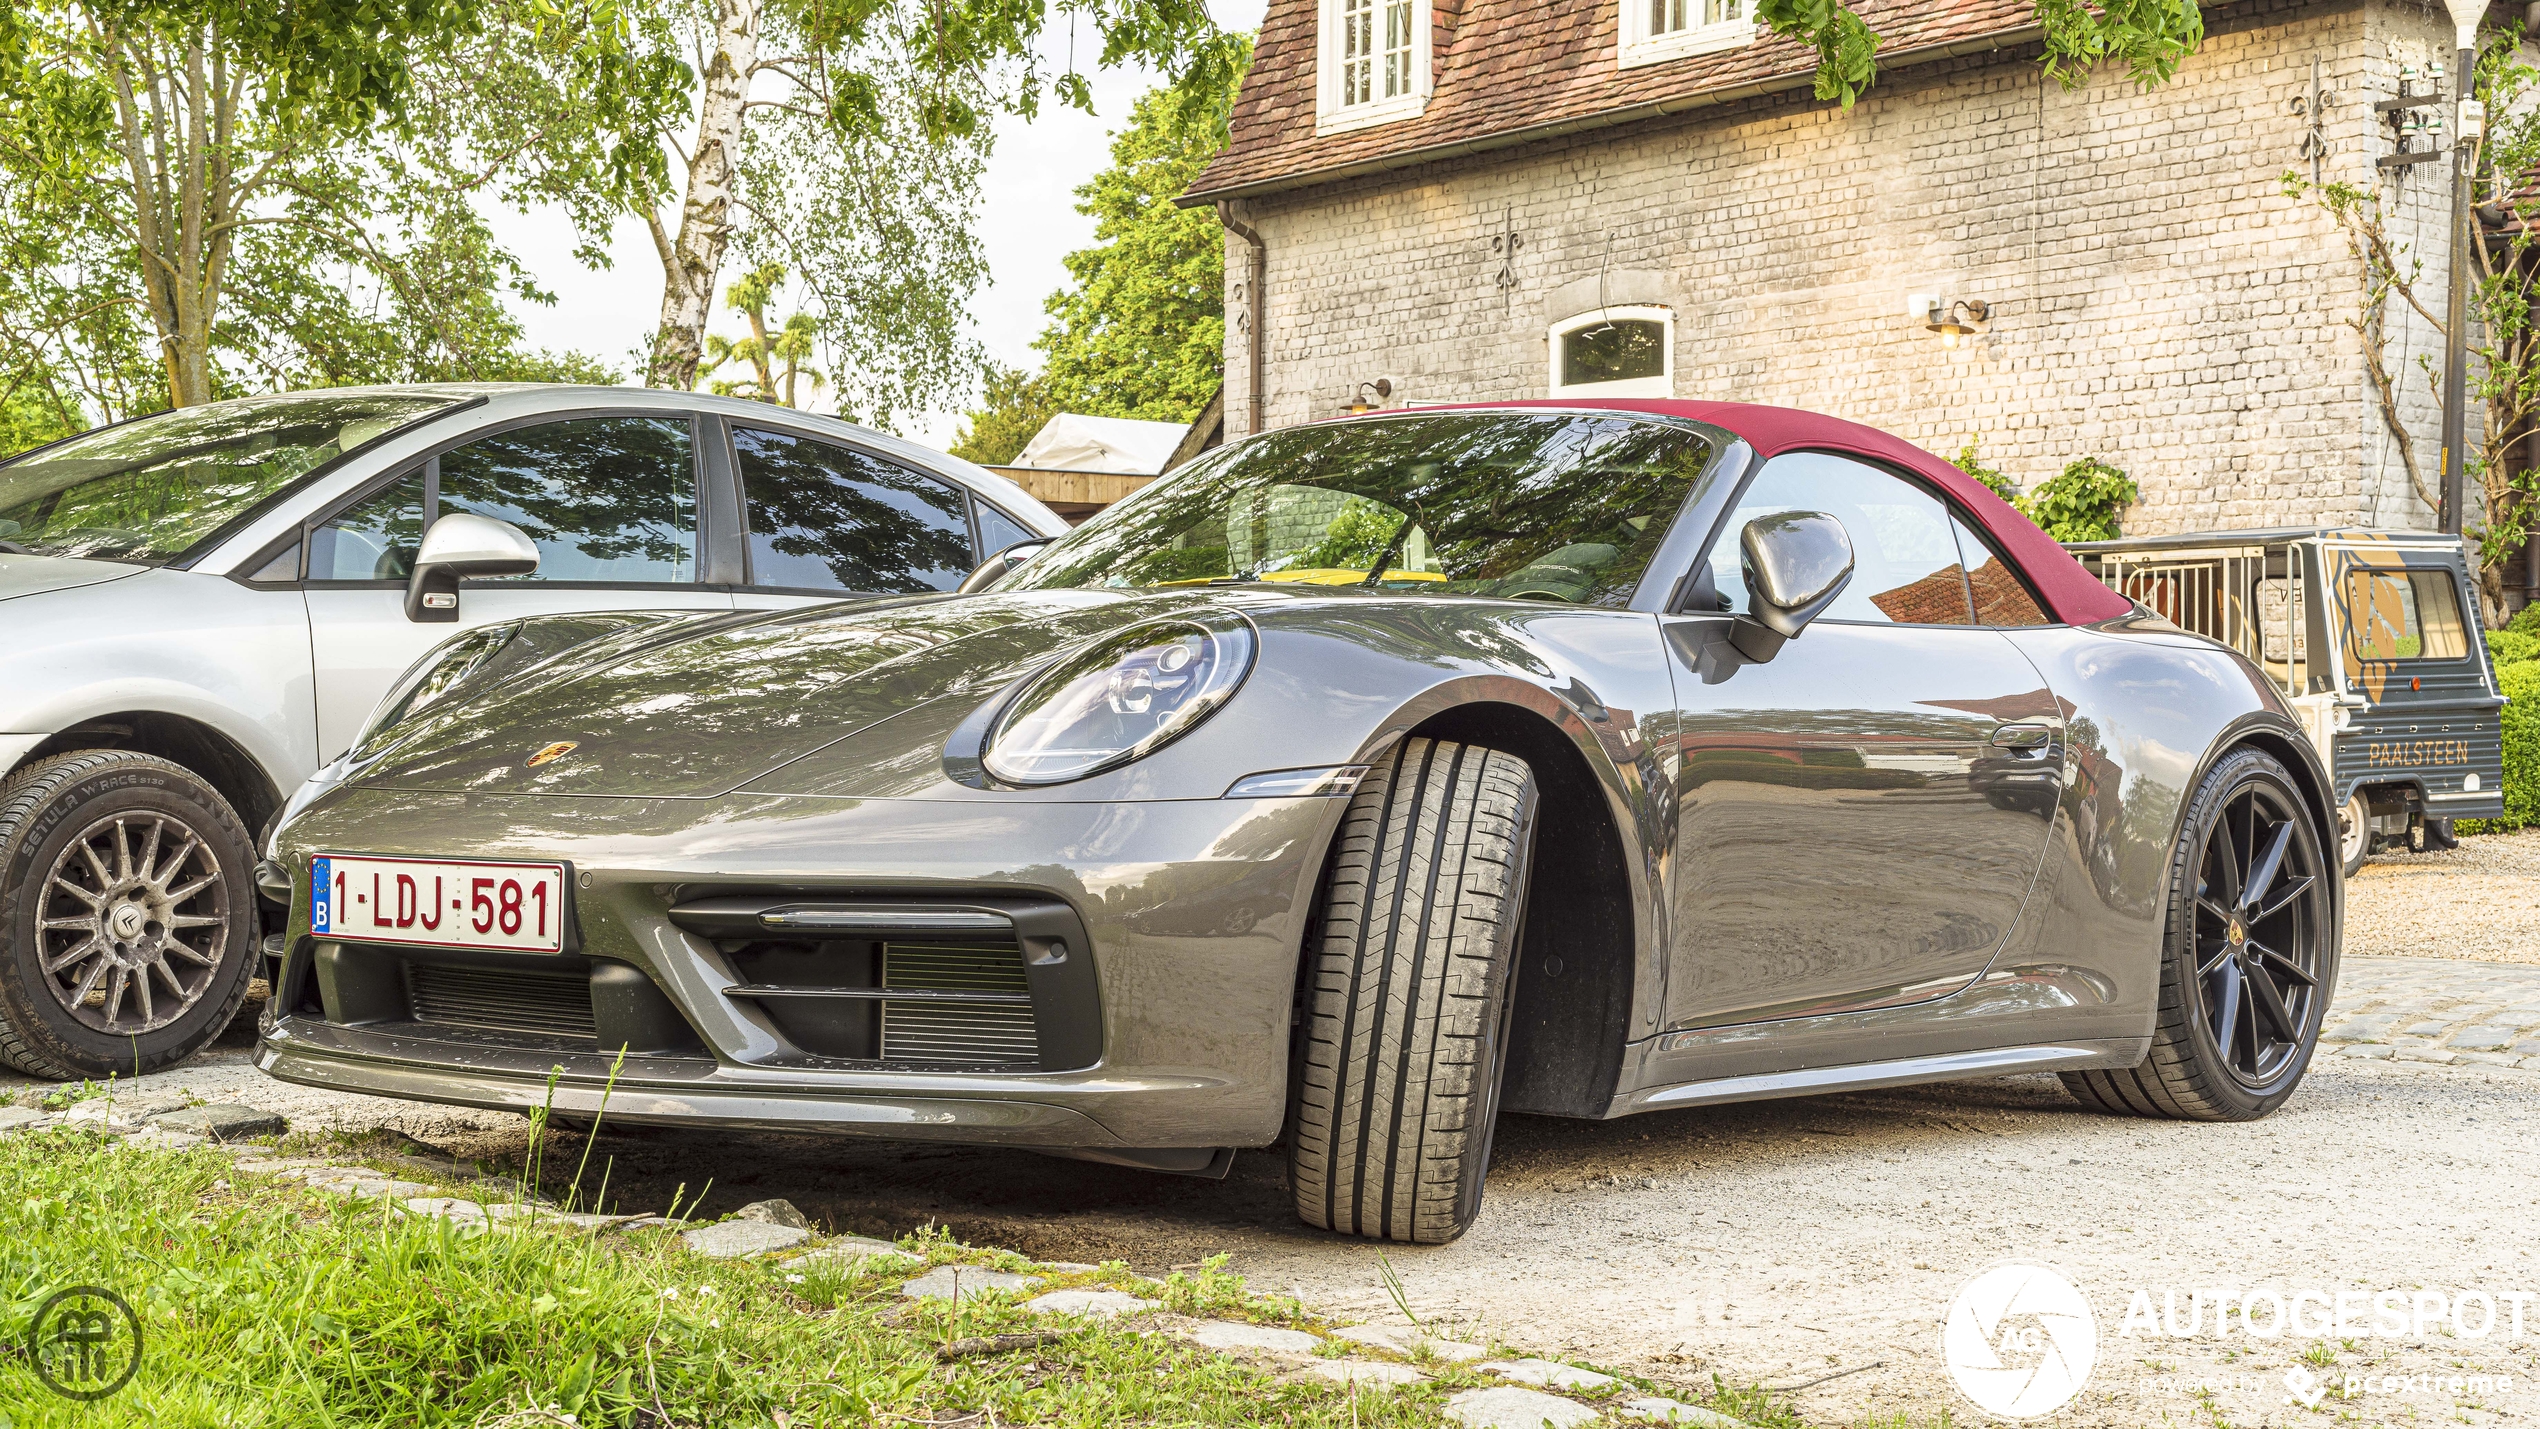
1615,352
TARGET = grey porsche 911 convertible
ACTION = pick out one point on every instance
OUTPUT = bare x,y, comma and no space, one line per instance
1350,786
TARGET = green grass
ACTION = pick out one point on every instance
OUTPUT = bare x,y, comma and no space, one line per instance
263,1303
266,1303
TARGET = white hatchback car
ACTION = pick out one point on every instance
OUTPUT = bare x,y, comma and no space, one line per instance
202,607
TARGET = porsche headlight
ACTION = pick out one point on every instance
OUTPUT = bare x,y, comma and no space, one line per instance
1119,699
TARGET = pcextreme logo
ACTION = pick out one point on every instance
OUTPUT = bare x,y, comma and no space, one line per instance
2020,1341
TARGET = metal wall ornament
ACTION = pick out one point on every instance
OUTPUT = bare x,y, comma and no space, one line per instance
2312,107
1505,243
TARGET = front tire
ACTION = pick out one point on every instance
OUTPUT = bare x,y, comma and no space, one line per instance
2249,962
128,914
1407,999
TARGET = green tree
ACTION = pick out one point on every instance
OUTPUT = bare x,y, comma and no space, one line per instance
1016,407
200,192
1142,332
778,362
845,137
30,417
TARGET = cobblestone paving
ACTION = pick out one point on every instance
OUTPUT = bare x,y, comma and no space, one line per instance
2433,1010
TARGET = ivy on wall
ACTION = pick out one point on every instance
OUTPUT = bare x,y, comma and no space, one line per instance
2148,37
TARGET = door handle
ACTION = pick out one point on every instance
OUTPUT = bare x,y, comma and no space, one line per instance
2025,738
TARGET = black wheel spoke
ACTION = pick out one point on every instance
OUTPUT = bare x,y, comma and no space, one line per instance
2226,1006
2299,887
2285,965
2208,959
2262,873
2271,1008
2212,909
2226,854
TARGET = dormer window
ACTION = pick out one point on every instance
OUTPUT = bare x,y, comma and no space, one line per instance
1374,62
1656,31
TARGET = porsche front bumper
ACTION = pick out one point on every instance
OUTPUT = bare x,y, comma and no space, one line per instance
1165,1026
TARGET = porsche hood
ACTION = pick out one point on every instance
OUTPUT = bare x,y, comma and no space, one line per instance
703,708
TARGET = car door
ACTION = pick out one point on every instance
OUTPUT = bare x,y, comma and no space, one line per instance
826,521
610,499
1859,818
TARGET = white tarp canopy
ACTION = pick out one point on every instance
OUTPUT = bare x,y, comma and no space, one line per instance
1119,445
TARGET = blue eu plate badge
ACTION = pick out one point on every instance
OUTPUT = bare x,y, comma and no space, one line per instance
321,897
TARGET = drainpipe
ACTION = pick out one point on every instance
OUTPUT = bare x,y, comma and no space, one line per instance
1253,341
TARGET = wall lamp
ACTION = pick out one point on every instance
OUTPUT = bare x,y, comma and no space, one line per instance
1360,404
1952,320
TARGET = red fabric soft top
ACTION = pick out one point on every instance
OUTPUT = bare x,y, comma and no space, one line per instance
2074,595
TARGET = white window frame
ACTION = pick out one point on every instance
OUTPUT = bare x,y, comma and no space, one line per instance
1662,385
1640,45
1331,116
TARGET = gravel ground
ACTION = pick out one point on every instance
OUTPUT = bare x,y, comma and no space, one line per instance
2481,900
1777,1242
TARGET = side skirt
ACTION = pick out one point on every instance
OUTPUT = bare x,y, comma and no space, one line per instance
2088,1055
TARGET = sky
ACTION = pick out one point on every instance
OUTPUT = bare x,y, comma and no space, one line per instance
1027,221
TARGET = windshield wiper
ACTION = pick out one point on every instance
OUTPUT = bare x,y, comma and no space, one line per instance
14,549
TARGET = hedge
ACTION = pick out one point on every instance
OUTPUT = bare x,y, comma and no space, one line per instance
2520,682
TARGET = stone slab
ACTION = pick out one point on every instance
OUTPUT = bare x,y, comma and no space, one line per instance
222,1121
1456,1351
1092,1304
1549,1374
13,1117
1262,1339
730,1240
1669,1411
1366,1374
947,1282
1509,1407
853,1247
778,1212
1383,1337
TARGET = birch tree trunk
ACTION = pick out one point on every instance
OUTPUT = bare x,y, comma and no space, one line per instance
691,260
175,121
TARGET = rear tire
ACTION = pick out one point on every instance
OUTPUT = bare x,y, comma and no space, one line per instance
2249,960
1407,1000
127,915
2354,835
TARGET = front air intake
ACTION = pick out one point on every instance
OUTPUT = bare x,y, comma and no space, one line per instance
503,1000
994,1028
919,982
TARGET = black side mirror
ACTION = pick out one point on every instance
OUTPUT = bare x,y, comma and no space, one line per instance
1796,563
1000,563
463,544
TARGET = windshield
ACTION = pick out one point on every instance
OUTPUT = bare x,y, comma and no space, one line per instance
1524,506
149,490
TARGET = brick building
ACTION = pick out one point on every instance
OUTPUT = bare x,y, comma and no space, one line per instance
1502,198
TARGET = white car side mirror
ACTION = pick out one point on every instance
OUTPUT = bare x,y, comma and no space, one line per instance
463,544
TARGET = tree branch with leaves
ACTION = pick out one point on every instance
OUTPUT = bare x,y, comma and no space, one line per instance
2504,340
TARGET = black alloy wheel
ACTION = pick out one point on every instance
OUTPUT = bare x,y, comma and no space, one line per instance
2259,916
2249,961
